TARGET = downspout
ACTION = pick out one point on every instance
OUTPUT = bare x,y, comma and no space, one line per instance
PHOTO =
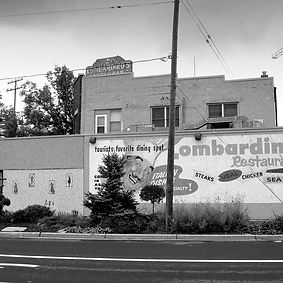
275,104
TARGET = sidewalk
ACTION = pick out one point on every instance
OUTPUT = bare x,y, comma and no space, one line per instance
141,237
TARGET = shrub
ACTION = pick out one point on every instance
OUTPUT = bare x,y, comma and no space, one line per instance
208,218
5,218
88,230
126,223
279,223
266,227
3,202
31,214
63,220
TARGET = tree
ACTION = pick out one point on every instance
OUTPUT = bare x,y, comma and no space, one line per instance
152,193
9,121
111,197
3,202
49,110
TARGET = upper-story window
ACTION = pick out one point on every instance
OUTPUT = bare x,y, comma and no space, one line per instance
115,120
100,124
108,121
160,116
216,110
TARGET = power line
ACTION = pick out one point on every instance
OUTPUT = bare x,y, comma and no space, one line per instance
163,59
225,143
206,36
85,9
15,81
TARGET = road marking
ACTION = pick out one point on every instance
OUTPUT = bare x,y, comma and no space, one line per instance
147,259
18,265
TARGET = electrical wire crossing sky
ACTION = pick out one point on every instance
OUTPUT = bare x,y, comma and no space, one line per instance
219,37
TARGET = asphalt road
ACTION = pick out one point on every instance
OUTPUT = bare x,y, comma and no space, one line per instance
47,260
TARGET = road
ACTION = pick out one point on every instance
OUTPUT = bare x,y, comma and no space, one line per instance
47,260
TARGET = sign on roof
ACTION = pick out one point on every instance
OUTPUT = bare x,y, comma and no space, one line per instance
109,66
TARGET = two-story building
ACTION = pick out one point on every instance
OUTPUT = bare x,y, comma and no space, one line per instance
112,100
227,145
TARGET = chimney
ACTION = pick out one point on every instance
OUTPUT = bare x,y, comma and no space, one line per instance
264,75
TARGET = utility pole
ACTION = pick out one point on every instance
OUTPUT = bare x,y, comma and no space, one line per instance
15,90
172,108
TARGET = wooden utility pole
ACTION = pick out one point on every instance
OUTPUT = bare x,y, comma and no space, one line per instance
171,135
15,91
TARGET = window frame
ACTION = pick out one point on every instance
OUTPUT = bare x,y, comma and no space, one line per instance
222,109
114,121
97,116
165,118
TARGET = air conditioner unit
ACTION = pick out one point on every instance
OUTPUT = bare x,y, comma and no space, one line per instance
140,128
255,123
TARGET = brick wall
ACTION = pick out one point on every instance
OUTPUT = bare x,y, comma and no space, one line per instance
136,95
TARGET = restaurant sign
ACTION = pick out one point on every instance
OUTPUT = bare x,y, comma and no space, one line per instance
109,66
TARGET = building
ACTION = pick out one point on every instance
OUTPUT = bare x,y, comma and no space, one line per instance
112,103
227,145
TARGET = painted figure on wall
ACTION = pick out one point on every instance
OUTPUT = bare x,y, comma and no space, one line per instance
15,187
137,173
69,180
31,182
51,187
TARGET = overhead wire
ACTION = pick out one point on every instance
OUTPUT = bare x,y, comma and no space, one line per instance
220,57
85,9
225,142
206,36
163,59
201,115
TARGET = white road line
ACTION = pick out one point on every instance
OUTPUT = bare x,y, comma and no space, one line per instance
146,259
18,265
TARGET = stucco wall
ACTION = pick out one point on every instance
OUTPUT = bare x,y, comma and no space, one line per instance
41,152
50,159
67,196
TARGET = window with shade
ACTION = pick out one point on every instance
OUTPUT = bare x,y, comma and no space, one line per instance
216,110
160,116
115,120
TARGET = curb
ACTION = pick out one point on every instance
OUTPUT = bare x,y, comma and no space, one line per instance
141,237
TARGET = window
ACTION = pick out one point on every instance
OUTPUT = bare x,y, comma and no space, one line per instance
216,110
100,124
108,121
115,120
160,116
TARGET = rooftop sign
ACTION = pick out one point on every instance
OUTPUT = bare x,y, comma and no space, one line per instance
109,66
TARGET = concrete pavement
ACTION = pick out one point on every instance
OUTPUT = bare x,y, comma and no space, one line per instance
143,237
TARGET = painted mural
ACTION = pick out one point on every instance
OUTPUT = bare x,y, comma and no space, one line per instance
216,168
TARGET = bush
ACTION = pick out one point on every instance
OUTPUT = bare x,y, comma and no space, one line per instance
31,214
88,230
3,202
5,219
126,223
200,218
63,220
266,227
279,223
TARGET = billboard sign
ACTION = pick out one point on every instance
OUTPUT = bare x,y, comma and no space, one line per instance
109,66
245,166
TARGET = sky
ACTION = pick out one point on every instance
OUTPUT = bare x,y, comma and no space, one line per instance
246,32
